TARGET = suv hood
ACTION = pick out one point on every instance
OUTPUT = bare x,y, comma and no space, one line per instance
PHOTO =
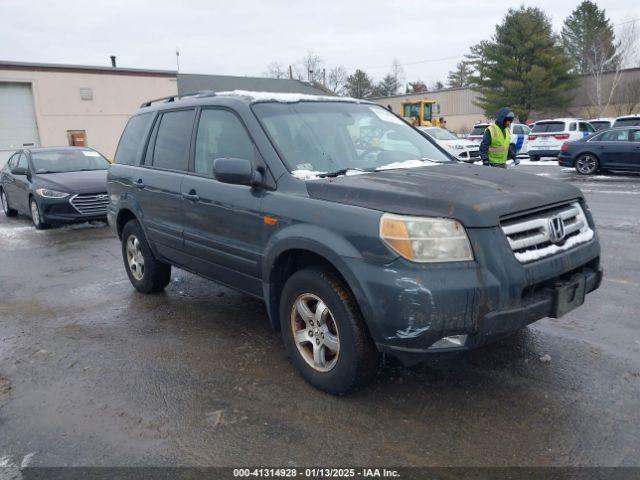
476,196
91,181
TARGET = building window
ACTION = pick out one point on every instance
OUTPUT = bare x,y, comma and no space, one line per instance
86,94
77,138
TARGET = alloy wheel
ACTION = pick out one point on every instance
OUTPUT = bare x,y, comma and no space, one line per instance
586,164
315,332
35,213
135,259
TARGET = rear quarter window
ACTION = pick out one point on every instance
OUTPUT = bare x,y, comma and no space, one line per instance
548,127
133,138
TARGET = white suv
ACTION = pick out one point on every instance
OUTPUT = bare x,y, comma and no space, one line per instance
627,121
519,136
547,136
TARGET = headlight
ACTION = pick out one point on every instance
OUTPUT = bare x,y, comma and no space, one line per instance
45,192
426,240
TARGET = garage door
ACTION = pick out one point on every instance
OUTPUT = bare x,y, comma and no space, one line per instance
17,117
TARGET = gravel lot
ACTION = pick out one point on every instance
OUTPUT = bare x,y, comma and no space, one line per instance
92,373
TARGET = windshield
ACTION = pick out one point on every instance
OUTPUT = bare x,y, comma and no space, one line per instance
58,161
600,124
478,131
440,134
542,127
332,136
627,122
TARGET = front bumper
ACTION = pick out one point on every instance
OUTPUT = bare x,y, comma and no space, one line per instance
409,307
59,210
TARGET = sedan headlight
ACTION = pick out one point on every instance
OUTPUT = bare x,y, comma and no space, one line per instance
45,192
426,240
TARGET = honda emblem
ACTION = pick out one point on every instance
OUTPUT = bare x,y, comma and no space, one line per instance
556,229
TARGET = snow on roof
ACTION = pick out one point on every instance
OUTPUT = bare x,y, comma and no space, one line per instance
286,97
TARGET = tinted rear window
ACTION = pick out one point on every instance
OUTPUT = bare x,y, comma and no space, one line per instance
174,135
550,127
132,139
627,122
478,130
600,125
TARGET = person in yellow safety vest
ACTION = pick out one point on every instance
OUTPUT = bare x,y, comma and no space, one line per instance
496,147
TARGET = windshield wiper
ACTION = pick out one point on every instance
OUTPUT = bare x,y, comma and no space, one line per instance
343,171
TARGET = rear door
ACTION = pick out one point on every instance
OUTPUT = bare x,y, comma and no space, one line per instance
158,184
633,160
614,148
222,222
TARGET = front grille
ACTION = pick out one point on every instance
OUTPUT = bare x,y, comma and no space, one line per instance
93,204
541,234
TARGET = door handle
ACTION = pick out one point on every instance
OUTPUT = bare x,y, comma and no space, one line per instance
192,196
140,183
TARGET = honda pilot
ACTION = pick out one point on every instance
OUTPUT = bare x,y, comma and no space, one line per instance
362,236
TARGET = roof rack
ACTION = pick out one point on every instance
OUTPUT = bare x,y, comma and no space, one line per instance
173,98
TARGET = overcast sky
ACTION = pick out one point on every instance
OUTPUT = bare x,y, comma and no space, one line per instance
241,37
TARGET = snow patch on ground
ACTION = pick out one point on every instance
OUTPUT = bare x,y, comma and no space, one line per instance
540,163
286,97
82,226
530,255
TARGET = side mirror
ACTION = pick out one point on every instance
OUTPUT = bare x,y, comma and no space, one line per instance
19,171
237,171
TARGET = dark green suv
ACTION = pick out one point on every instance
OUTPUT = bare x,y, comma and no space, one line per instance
360,233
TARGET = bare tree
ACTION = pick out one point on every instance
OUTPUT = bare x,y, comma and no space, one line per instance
276,70
397,71
605,69
337,80
628,96
309,69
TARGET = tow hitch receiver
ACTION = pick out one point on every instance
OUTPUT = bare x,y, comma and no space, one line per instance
568,295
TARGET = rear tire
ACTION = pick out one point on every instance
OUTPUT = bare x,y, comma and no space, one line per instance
9,212
329,345
36,216
587,164
145,272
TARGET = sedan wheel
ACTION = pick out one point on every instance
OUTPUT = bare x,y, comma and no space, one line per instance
135,258
315,332
9,212
35,215
587,165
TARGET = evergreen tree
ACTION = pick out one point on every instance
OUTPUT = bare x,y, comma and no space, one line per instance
359,85
461,76
523,66
389,85
589,39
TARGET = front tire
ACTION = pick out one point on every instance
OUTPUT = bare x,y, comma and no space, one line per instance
145,272
587,164
9,212
324,333
36,216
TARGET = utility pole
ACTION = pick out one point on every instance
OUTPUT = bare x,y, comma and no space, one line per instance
177,59
290,73
324,77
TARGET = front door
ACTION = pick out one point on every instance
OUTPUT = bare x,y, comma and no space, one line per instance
20,192
222,222
158,183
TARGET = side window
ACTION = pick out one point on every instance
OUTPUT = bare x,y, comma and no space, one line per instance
615,136
526,129
133,139
220,135
635,136
517,130
572,127
585,127
22,161
13,160
172,141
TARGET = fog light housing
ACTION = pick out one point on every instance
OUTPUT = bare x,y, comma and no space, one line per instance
454,341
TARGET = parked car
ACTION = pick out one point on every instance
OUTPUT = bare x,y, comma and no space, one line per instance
464,150
602,123
55,185
519,136
547,136
627,121
613,149
357,247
